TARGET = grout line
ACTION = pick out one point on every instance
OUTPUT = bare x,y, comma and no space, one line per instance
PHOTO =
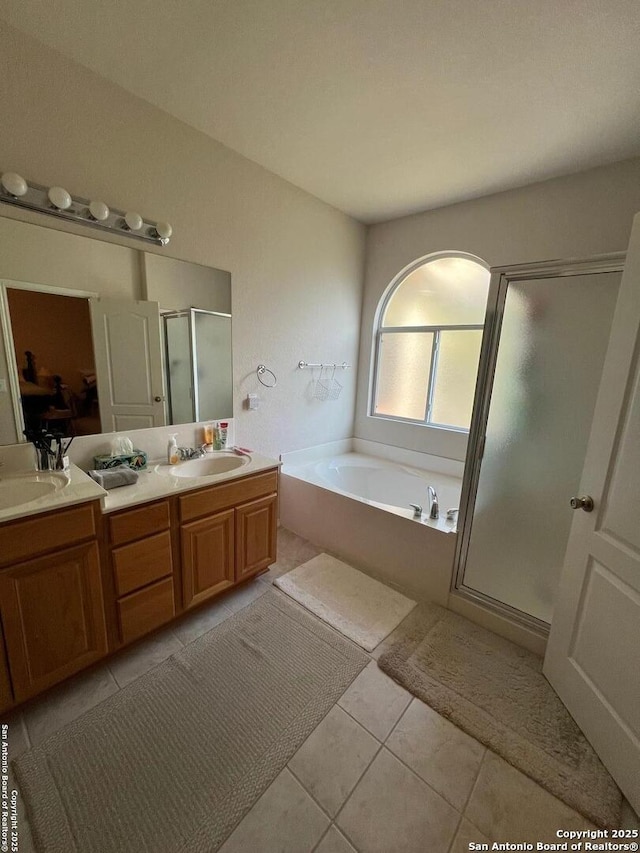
453,837
356,720
352,792
309,793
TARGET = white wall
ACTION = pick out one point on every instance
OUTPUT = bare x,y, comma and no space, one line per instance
296,263
573,217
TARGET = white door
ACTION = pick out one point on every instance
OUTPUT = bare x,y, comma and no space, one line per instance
593,655
126,340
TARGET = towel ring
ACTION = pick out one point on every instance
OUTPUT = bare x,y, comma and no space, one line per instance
262,369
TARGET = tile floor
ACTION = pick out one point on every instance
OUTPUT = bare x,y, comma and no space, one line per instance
382,773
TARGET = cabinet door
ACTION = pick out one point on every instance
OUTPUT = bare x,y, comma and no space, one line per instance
255,536
6,694
53,617
207,557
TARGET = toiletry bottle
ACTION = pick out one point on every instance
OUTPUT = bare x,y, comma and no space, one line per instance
208,434
172,450
223,430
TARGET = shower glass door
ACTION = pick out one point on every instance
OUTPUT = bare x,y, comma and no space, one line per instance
531,424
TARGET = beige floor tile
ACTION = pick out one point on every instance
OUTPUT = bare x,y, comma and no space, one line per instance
334,842
293,551
333,758
445,757
392,809
67,702
200,621
284,820
375,701
466,835
139,659
241,597
508,806
17,735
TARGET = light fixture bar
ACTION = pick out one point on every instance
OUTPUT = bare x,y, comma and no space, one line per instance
56,201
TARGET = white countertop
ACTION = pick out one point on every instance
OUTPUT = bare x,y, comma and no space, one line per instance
79,489
151,485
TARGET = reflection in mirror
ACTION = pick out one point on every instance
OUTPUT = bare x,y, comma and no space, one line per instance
198,364
57,382
46,280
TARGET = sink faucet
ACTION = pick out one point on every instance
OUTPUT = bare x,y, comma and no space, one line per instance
434,510
192,452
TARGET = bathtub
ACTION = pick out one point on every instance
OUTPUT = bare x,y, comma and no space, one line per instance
355,502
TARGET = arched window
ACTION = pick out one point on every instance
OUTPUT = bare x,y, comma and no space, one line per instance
427,342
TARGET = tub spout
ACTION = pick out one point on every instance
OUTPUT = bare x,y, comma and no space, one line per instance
434,510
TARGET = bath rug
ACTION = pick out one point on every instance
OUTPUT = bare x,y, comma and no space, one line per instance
171,763
358,606
495,691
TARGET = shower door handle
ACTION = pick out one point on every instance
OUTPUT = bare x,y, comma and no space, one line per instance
585,503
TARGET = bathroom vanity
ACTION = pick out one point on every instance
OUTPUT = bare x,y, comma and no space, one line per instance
80,582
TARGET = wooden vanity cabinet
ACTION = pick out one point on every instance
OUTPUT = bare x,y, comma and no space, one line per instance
6,693
142,563
51,597
256,536
227,534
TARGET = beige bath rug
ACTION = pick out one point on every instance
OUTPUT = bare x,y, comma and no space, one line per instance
358,606
171,763
496,692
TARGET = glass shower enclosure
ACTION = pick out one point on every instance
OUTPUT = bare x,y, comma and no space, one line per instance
198,365
546,334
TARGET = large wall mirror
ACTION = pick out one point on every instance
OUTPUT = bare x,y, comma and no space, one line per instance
98,337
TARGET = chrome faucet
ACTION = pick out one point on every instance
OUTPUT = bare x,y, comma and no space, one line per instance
192,452
434,509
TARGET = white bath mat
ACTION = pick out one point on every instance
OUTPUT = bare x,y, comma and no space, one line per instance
358,606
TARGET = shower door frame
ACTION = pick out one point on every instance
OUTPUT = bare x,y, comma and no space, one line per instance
501,278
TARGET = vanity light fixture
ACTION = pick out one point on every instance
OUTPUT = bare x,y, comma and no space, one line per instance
98,211
132,221
14,184
59,198
56,201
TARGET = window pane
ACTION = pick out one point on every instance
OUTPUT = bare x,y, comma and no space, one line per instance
404,362
443,292
456,378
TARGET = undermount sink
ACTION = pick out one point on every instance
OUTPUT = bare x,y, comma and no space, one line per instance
219,462
19,489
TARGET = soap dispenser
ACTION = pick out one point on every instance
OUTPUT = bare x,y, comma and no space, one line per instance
172,450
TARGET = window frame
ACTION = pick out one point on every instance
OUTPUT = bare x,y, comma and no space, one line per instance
436,331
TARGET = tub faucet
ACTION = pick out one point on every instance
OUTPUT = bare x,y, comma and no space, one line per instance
434,510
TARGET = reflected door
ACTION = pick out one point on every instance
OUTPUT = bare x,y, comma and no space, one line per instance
552,341
128,357
594,645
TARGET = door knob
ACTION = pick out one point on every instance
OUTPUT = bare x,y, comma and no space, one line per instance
158,399
585,503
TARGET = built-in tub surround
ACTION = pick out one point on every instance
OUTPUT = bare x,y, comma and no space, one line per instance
319,501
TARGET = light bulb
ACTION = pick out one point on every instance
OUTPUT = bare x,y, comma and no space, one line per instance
163,230
14,184
59,198
133,221
98,210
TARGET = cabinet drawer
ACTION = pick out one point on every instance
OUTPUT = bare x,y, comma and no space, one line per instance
216,498
41,533
145,610
138,523
140,563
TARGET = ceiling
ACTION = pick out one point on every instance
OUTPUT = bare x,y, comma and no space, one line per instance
379,107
